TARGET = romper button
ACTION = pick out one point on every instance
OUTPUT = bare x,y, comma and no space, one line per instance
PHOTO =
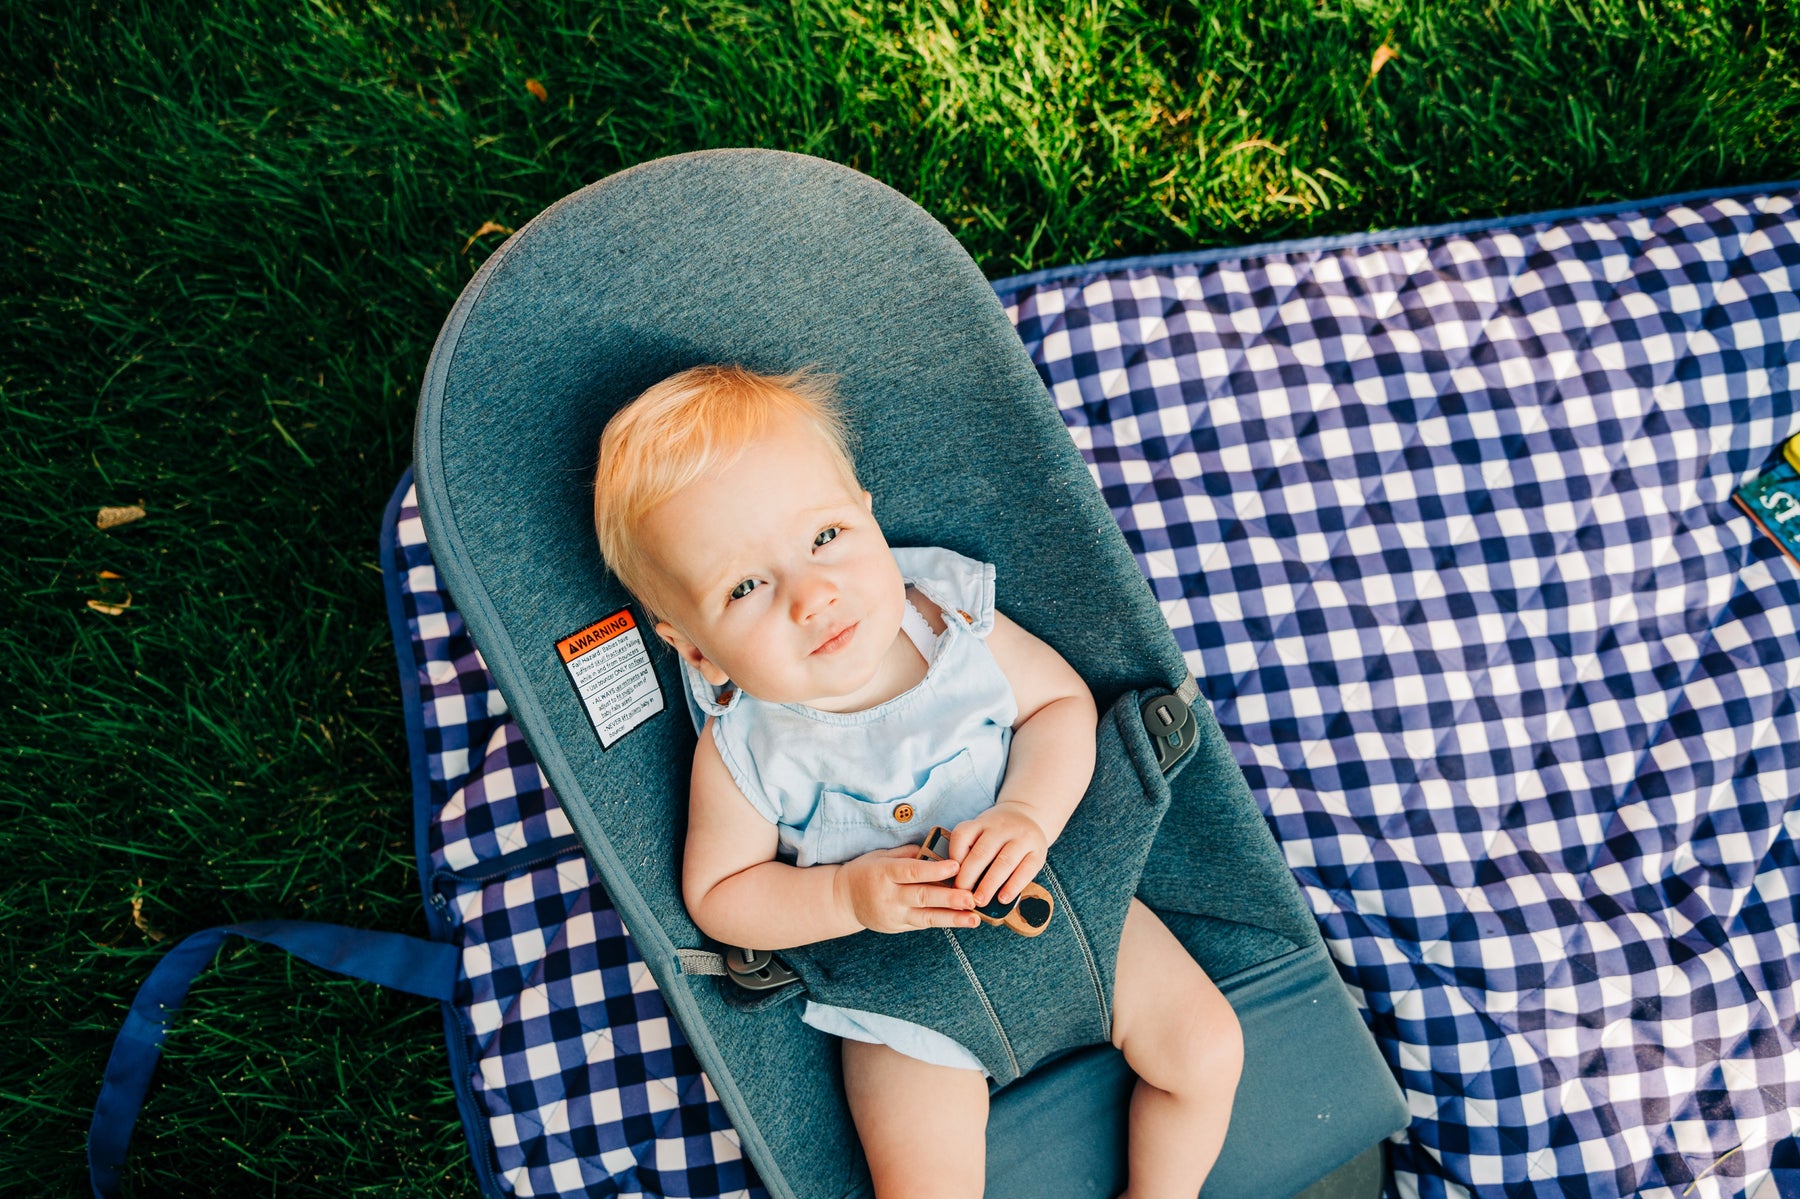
903,813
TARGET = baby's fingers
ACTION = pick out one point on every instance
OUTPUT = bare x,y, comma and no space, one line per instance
1012,857
928,915
919,870
962,837
976,861
935,897
1014,886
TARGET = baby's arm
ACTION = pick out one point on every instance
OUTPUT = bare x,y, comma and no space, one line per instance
738,893
1047,768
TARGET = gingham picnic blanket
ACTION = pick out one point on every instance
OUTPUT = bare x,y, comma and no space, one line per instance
1443,522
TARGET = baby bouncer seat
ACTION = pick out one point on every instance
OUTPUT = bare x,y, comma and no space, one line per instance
776,261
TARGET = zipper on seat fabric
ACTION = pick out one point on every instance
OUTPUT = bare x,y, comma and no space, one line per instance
500,867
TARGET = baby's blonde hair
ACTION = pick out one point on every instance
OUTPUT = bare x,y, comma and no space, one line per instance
692,423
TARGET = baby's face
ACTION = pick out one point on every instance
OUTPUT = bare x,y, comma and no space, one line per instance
774,575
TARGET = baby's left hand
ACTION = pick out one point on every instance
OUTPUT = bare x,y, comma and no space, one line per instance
1005,837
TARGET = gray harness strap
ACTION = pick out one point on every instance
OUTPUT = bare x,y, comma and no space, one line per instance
1189,691
700,961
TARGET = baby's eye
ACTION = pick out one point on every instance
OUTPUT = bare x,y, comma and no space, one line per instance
742,589
825,535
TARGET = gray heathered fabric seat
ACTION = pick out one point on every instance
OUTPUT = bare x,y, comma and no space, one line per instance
774,261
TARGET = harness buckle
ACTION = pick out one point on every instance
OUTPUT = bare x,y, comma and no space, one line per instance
1170,723
757,970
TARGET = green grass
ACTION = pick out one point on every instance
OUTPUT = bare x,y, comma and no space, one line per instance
231,234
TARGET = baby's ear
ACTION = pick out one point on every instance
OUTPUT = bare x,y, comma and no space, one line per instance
676,641
691,653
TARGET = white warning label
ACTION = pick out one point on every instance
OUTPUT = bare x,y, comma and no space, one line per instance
610,666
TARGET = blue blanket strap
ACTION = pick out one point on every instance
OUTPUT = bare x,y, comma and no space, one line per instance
409,964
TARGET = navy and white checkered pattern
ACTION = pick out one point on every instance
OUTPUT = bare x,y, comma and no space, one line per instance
1444,528
1443,525
585,1082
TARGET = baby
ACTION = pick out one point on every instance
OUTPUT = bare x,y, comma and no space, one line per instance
838,673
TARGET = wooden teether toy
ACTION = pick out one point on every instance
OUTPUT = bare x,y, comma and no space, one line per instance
1028,914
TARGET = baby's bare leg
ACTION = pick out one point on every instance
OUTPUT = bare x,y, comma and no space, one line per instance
1181,1036
923,1127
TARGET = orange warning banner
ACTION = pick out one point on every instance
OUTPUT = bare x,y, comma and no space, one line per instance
595,635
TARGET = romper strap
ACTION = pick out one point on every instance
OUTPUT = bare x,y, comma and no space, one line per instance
962,587
918,631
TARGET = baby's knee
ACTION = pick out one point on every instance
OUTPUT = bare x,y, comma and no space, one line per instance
1209,1053
1225,1047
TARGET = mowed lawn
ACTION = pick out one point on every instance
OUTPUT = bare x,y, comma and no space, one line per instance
231,233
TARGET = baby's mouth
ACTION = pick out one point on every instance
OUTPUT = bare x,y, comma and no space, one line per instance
838,640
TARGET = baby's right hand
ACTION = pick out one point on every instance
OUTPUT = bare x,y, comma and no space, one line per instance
893,890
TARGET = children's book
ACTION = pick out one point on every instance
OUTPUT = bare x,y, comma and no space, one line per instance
1773,500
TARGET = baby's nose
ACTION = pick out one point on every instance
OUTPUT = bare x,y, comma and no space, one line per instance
812,596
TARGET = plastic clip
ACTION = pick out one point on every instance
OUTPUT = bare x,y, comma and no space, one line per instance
757,970
1171,726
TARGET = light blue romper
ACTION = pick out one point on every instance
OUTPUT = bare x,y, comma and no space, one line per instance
832,782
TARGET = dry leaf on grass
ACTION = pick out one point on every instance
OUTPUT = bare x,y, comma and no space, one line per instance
111,609
109,574
1255,143
1383,54
137,916
539,90
110,518
487,227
